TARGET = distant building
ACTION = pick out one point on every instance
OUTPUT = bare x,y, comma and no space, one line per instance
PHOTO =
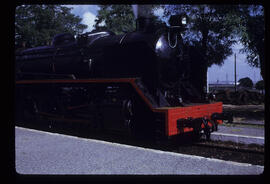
222,85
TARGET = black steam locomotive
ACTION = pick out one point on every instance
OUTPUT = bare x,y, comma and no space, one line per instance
138,82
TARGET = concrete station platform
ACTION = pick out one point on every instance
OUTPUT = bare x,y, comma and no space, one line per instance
40,152
240,134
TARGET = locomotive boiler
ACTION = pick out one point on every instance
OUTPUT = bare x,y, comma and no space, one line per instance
136,83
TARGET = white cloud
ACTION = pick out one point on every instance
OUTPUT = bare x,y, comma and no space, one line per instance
88,19
79,10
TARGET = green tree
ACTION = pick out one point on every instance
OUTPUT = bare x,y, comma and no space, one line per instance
116,18
209,31
246,82
37,24
120,18
209,27
251,31
260,85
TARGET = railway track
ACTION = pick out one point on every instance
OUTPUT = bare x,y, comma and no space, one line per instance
229,151
244,124
230,146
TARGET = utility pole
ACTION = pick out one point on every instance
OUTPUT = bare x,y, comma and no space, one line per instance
207,82
235,72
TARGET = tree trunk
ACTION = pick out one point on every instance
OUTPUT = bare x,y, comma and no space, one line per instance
204,64
262,64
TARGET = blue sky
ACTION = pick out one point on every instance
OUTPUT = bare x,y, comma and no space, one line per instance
216,72
221,73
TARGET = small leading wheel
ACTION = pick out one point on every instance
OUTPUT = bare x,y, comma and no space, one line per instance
128,109
206,130
207,134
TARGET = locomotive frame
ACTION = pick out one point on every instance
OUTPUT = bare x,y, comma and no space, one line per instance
80,81
157,121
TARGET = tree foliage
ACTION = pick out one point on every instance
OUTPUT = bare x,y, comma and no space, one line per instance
120,18
208,29
37,24
251,32
259,85
215,28
246,82
116,18
209,32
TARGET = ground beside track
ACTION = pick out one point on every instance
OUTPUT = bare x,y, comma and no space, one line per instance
247,127
244,134
40,152
247,114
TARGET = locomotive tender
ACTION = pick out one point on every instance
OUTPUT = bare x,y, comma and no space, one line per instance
138,82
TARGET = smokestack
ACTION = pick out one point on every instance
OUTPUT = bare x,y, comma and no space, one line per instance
144,17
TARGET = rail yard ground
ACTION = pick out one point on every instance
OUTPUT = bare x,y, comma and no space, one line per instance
41,152
247,114
247,127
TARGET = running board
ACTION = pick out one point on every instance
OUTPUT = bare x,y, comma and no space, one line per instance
135,82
